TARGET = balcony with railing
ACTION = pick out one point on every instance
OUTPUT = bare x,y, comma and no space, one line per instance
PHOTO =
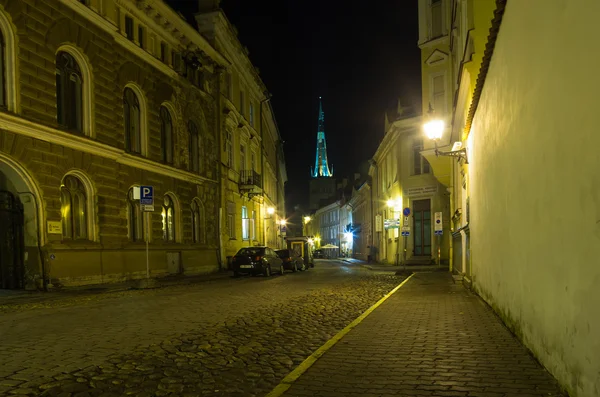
250,182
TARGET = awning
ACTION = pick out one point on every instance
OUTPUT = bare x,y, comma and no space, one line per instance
441,165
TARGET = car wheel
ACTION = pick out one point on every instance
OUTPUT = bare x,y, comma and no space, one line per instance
295,269
281,270
268,271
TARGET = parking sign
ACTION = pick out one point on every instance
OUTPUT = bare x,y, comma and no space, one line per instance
147,198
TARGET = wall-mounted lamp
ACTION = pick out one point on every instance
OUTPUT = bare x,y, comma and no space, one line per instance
434,130
270,210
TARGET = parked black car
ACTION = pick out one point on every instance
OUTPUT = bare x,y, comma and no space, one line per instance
256,260
291,260
318,254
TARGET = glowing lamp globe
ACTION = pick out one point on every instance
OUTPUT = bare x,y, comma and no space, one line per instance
434,129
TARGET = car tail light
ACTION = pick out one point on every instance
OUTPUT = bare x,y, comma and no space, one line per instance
288,259
258,258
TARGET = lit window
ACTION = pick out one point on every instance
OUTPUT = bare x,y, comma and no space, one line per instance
168,219
194,147
133,136
245,224
166,134
69,101
73,201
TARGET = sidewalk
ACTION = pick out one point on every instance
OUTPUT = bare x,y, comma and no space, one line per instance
432,337
380,267
20,297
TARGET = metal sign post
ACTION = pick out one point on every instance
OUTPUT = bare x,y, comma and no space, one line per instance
147,206
405,233
439,230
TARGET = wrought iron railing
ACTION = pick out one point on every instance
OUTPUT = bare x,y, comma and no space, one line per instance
250,177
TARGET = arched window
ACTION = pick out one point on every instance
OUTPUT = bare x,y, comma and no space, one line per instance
69,92
194,147
74,208
166,134
136,219
2,72
197,222
133,131
168,218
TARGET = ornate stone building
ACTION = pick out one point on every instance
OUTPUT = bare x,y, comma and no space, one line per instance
98,97
252,170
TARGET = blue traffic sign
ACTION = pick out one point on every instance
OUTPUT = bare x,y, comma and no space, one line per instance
439,232
406,211
405,234
147,195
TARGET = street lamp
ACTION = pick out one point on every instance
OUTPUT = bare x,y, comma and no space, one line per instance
281,223
306,220
270,210
434,130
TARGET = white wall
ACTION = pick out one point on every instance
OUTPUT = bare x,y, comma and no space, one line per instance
535,185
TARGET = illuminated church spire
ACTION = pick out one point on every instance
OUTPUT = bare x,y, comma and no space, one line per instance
321,167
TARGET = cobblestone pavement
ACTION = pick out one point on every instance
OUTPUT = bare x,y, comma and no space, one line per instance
221,338
430,338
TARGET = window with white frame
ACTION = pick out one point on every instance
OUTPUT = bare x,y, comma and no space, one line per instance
245,224
439,94
420,164
436,18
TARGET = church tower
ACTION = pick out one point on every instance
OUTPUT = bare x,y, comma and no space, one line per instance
321,166
322,183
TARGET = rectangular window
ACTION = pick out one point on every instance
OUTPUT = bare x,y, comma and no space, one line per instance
129,27
245,224
251,114
253,226
163,51
439,95
242,157
242,103
420,164
231,219
436,18
141,37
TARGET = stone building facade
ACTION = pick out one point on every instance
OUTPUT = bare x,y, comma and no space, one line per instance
98,97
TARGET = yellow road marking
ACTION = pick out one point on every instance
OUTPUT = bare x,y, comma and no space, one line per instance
287,382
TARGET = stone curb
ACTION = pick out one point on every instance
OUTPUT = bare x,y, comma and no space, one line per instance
287,382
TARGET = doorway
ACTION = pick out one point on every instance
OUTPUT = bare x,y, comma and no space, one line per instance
12,266
422,227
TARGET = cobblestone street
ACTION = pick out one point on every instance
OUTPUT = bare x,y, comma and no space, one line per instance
225,337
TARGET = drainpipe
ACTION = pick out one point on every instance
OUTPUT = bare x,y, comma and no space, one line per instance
262,150
219,71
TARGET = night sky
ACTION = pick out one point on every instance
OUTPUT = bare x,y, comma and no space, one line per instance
359,56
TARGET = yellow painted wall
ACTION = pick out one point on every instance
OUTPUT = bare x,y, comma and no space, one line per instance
535,186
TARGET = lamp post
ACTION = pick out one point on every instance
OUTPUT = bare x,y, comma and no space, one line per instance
396,207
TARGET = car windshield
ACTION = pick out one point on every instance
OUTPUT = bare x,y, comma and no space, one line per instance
250,251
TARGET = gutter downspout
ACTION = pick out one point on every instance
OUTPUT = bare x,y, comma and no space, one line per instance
262,152
219,172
